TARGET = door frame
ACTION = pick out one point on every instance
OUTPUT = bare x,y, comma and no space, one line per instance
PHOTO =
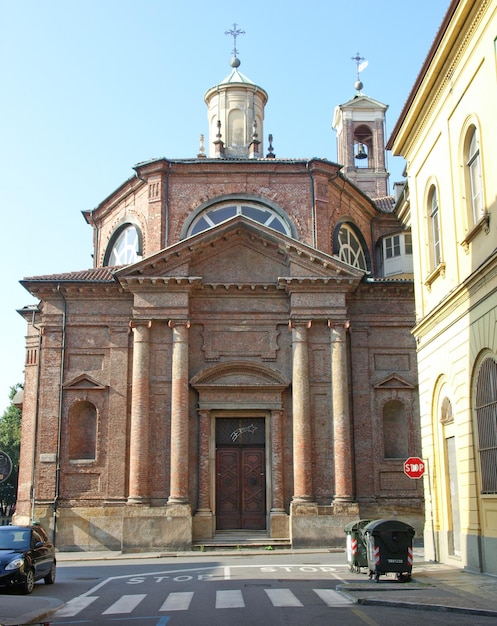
245,414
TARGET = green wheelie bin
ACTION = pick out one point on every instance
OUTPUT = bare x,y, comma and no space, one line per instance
356,548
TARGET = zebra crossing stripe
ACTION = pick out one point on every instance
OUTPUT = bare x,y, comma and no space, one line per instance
229,599
177,601
181,601
125,604
74,606
283,597
333,598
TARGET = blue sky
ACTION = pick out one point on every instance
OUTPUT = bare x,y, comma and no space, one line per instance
92,87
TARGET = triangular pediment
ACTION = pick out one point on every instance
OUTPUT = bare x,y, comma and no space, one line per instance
394,381
83,381
239,251
363,102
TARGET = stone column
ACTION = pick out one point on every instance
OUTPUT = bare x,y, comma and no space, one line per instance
138,446
302,443
179,415
344,490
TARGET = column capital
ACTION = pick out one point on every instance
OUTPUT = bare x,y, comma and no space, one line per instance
339,324
175,323
140,323
299,324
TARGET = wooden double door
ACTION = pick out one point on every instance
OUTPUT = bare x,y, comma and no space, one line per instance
240,488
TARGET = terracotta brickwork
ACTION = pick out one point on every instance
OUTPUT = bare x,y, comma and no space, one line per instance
198,331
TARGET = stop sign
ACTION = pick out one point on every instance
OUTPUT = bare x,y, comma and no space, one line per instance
414,467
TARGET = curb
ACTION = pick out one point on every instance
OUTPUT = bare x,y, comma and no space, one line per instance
427,607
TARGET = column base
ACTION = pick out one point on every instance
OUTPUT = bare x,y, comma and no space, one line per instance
202,525
279,524
341,506
303,508
137,500
178,509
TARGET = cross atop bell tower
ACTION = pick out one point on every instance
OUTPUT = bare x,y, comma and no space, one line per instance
360,128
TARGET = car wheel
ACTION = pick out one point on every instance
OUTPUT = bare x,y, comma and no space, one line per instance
50,577
29,582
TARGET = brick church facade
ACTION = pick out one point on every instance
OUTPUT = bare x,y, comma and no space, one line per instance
238,360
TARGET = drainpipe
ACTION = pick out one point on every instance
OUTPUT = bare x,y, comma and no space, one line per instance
313,201
32,494
59,426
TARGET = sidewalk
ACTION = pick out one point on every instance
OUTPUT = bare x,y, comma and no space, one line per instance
16,610
434,586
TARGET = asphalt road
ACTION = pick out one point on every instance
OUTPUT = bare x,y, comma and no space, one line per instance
250,590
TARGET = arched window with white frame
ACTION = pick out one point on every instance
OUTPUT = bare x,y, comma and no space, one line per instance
474,190
220,212
434,228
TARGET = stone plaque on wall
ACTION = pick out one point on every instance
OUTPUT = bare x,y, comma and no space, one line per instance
78,484
85,362
392,362
240,341
396,481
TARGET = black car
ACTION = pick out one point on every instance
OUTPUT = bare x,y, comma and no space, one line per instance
26,555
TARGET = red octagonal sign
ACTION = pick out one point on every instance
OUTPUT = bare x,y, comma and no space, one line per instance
414,467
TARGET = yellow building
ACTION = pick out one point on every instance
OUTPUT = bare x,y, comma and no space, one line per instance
447,133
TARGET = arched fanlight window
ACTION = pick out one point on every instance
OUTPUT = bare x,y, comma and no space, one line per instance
125,246
218,213
350,249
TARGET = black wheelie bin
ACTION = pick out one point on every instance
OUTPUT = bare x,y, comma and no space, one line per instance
389,548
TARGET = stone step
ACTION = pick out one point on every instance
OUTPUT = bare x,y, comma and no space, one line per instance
234,540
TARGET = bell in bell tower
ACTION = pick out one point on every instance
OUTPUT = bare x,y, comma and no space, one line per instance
235,110
360,128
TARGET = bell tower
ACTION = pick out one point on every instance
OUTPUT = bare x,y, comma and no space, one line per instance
235,110
360,128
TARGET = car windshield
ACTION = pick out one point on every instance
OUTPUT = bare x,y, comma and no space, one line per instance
14,539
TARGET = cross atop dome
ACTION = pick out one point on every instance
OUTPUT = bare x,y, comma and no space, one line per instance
234,32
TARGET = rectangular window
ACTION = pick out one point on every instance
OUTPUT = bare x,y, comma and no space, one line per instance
392,246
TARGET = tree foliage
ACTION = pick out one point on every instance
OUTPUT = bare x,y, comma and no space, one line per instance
10,433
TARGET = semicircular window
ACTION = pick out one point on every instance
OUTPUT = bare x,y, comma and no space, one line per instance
350,249
125,246
214,215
